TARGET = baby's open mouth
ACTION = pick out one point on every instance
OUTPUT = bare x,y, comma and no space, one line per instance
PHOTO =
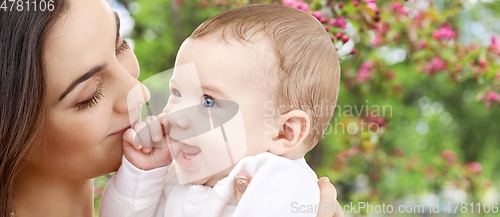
186,154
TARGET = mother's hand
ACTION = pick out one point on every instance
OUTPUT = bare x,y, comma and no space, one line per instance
327,200
241,181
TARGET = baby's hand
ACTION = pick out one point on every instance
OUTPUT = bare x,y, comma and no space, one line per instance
144,145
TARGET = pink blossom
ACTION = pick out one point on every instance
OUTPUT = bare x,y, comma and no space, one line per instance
304,6
375,41
333,22
316,14
345,38
367,65
372,6
382,28
404,11
339,22
355,2
296,4
327,28
438,64
364,71
492,96
444,32
498,76
370,1
323,19
475,167
449,155
494,39
482,62
396,5
291,3
422,44
495,44
287,2
363,75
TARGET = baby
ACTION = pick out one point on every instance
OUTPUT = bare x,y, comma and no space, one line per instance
248,95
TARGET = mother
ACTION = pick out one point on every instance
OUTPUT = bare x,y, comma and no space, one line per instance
65,76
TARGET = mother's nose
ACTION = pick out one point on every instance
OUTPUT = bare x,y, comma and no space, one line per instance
132,93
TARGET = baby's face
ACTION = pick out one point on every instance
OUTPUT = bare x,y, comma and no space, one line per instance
217,109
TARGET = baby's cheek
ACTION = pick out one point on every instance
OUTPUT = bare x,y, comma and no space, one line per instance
170,104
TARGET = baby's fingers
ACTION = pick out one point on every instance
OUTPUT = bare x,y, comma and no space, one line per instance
155,128
143,136
164,122
129,138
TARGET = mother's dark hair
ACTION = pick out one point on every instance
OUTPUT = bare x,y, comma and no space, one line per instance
22,38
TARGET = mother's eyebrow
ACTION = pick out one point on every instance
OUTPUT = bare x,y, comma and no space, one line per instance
96,69
83,78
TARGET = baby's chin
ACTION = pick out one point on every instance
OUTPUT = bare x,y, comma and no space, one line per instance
213,179
201,181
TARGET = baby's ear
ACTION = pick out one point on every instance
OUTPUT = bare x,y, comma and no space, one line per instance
294,127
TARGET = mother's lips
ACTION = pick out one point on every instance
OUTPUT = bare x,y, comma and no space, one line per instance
121,132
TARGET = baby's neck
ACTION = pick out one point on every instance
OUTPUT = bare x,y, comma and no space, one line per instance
223,174
293,156
211,181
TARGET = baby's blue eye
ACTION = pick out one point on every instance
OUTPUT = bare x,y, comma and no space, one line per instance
176,93
209,102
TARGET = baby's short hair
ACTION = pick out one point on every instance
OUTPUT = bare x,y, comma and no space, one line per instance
309,71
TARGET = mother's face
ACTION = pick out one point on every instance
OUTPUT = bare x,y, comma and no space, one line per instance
89,70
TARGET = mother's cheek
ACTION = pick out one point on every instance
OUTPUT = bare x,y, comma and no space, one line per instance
73,140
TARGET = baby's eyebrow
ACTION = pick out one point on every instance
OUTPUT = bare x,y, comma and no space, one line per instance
214,90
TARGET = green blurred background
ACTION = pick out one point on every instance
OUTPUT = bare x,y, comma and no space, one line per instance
441,139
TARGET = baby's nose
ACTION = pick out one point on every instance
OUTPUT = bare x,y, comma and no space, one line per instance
178,119
197,118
